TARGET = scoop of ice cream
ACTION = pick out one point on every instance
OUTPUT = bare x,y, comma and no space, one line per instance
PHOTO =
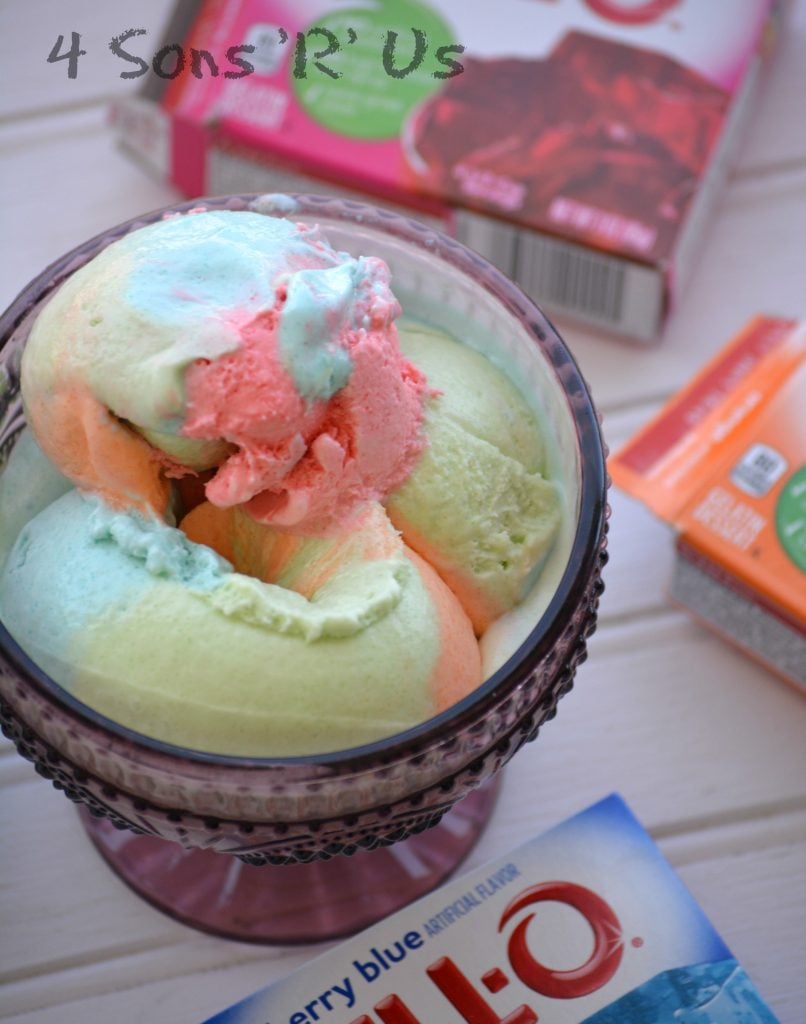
230,340
476,505
162,635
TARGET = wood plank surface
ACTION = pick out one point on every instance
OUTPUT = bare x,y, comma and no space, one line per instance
29,31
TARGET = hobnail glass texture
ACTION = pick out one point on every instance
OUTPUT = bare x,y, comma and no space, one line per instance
301,811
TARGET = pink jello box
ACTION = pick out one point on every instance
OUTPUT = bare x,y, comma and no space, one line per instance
586,924
578,144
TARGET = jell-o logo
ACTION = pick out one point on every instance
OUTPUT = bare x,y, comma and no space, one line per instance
465,996
637,12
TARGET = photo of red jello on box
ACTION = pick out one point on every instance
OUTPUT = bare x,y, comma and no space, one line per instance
612,155
579,145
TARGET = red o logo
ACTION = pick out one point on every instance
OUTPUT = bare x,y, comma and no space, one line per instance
600,966
631,14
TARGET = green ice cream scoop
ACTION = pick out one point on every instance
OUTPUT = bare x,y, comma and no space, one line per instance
476,505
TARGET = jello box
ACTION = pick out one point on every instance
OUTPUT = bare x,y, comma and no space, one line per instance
578,144
586,924
725,464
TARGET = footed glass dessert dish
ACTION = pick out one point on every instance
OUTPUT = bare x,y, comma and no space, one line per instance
311,847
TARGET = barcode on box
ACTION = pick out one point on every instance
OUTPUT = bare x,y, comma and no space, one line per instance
606,291
496,242
574,280
758,470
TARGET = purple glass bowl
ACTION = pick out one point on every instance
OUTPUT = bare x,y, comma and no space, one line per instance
298,813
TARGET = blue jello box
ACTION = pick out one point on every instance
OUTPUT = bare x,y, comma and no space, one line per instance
585,924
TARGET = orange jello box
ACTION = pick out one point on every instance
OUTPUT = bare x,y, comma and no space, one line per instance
725,464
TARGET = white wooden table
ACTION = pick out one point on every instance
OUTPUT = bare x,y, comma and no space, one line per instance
708,748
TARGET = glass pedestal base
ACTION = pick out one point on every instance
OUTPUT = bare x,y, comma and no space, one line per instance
312,902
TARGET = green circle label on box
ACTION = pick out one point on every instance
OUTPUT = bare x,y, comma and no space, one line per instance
790,518
360,71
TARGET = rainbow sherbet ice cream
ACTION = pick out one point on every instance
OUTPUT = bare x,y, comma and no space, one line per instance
259,513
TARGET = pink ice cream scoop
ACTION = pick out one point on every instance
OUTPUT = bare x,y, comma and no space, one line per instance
306,399
230,341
